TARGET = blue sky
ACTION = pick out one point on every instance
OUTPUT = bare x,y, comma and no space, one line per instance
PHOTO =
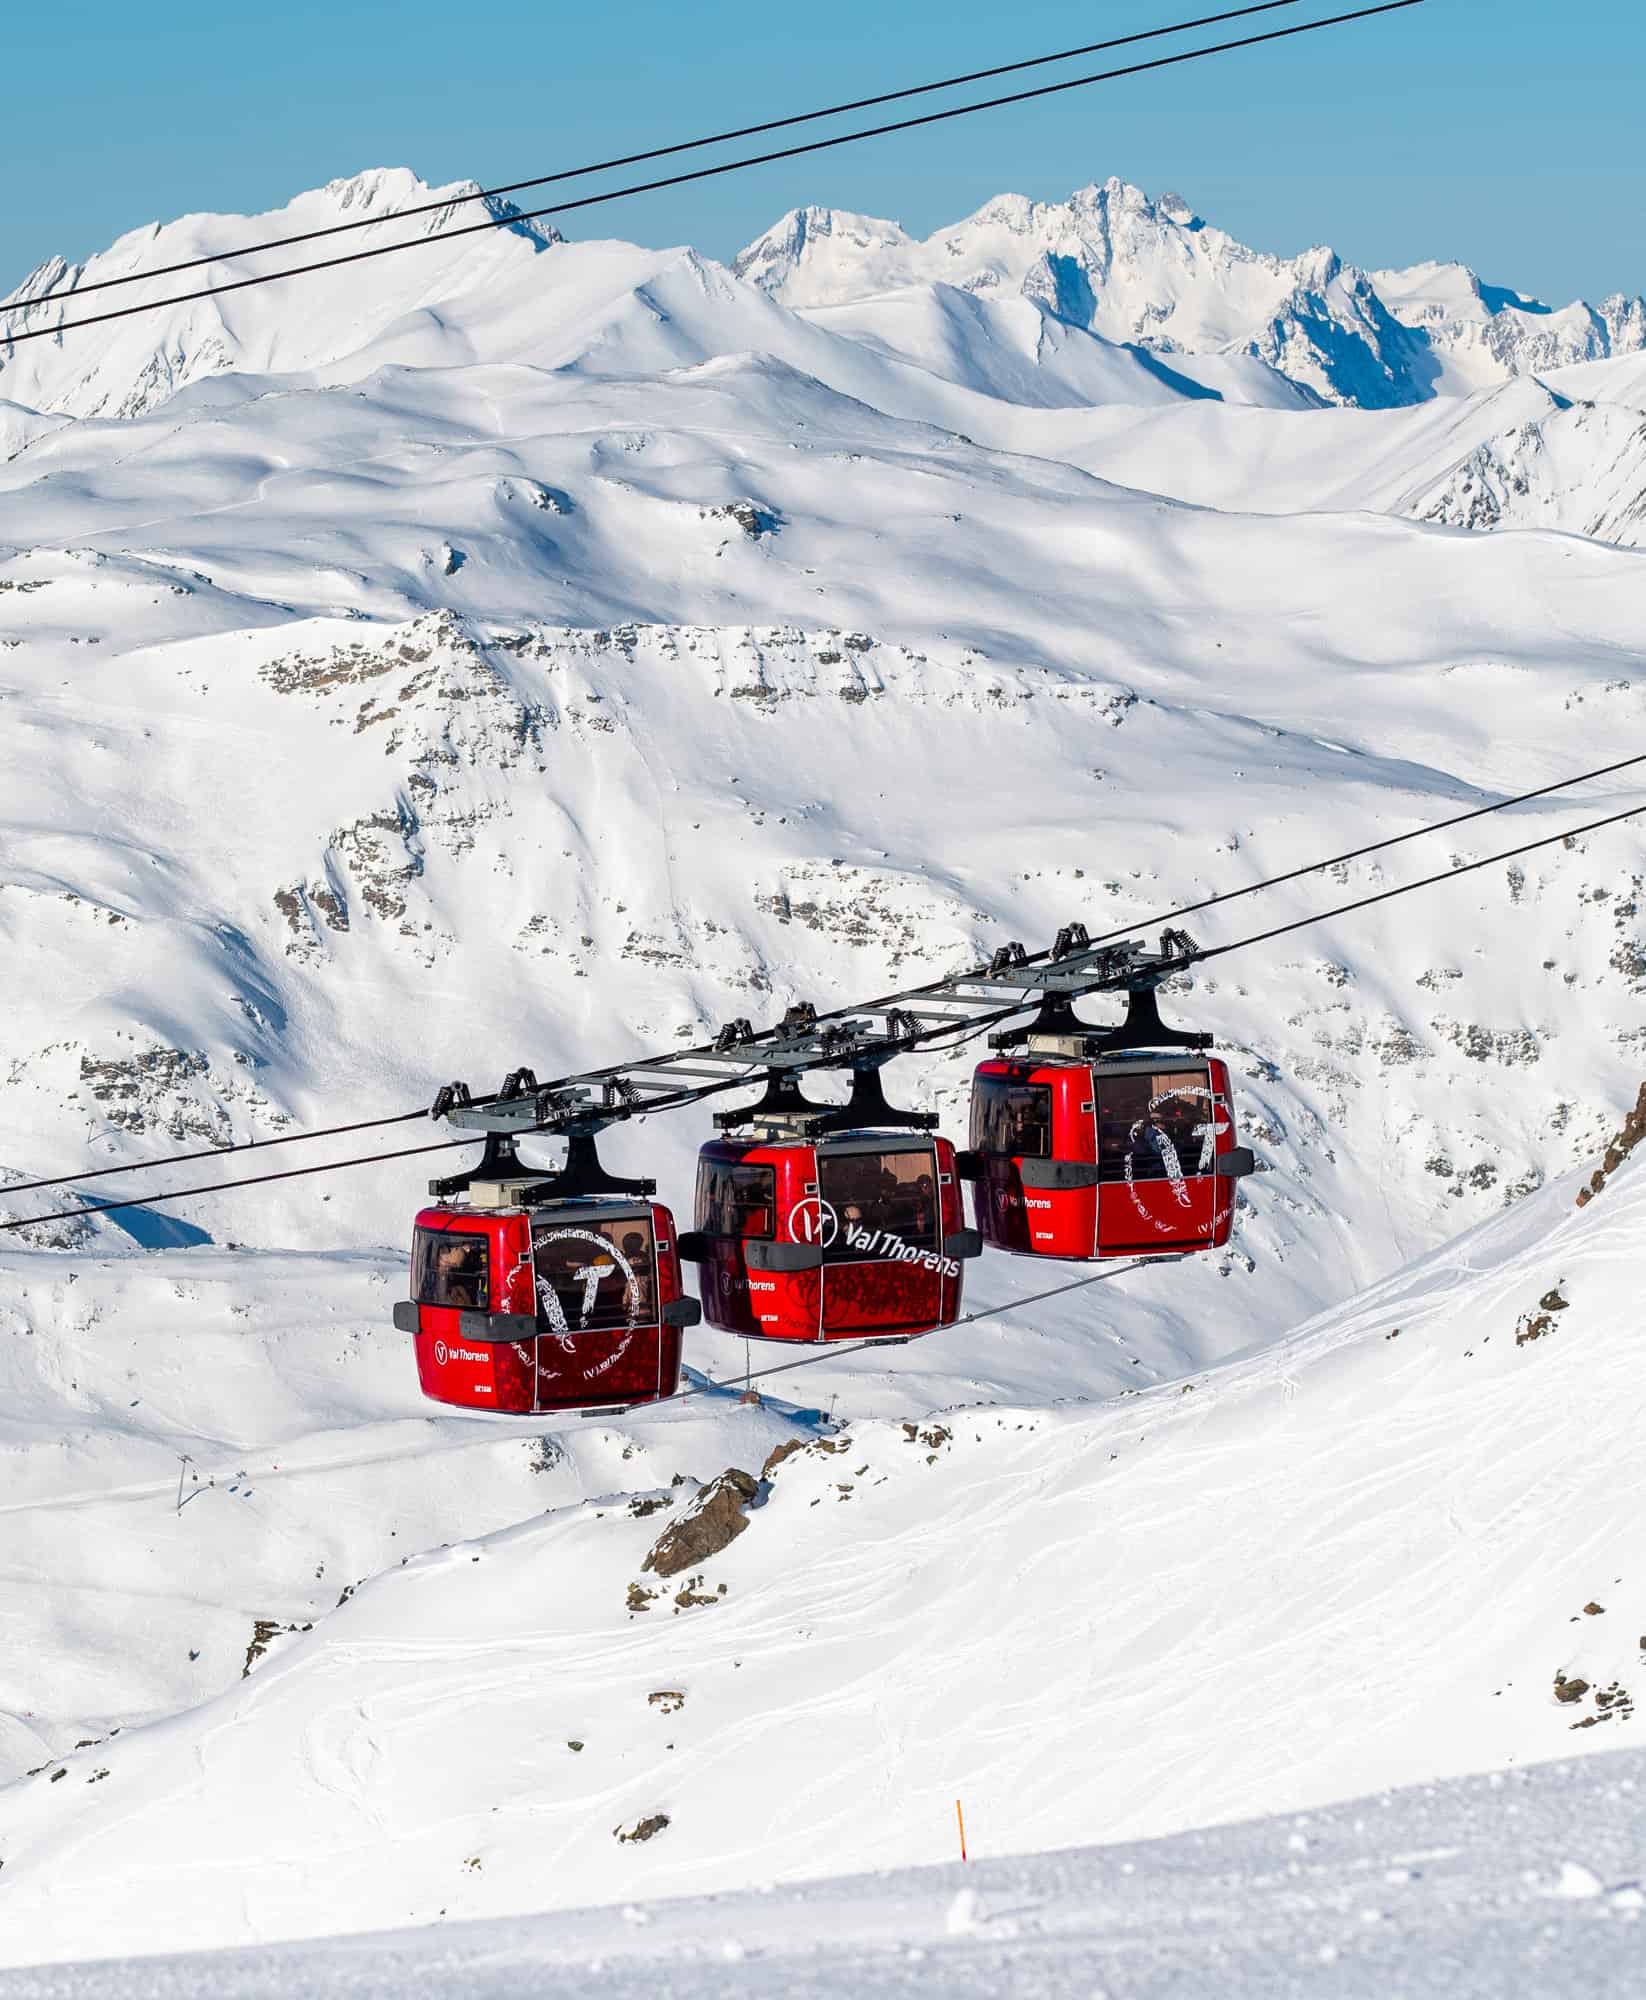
1502,132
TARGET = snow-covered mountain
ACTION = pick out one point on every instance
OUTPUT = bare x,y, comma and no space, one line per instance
582,646
1152,271
129,366
1481,332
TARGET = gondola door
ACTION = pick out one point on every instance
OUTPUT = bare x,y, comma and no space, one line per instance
878,1219
599,1337
1160,1127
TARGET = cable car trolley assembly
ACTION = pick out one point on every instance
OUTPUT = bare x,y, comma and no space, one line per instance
1090,1142
537,1290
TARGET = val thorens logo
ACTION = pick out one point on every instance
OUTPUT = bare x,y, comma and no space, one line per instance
813,1221
440,1354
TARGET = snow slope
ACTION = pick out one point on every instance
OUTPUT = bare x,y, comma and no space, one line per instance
19,427
1472,1888
575,684
1363,1555
561,658
445,718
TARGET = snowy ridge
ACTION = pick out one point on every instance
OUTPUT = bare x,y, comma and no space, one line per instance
1581,469
134,365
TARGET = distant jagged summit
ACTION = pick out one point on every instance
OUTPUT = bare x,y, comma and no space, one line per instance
1152,272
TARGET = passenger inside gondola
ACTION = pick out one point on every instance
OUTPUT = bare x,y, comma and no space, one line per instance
637,1255
459,1273
1011,1120
888,1194
735,1200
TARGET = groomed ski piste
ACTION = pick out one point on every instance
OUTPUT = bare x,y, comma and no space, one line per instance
1420,1891
594,645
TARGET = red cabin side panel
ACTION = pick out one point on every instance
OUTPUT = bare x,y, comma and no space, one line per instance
765,1305
1161,1122
469,1373
1139,1127
896,1295
631,1364
1227,1139
900,1295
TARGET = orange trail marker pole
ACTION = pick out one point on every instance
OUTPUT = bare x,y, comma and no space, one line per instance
960,1821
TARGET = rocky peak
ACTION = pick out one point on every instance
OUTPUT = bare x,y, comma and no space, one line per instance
1152,272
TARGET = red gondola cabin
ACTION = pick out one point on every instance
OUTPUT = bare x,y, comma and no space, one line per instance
845,1236
1124,1156
554,1305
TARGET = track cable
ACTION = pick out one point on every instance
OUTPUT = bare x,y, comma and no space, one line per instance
640,159
217,1152
1372,847
1423,882
218,1187
1201,957
693,175
937,1044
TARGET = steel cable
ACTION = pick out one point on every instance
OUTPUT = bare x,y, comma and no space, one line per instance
936,1039
696,174
639,159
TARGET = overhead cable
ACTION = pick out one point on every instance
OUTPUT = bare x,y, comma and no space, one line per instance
219,1187
214,1152
1424,882
1200,957
934,1044
1372,847
652,153
1291,875
696,174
